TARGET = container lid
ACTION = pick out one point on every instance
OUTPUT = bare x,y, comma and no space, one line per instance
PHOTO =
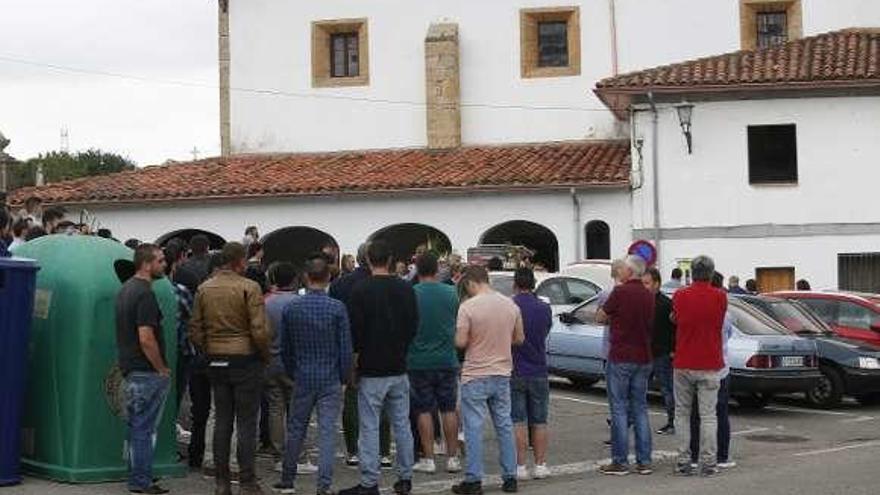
18,264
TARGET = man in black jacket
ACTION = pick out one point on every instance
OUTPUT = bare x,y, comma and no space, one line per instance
662,346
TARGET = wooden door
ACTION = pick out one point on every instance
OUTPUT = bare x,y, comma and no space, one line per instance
773,279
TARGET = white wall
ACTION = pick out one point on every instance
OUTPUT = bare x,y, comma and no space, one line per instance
351,220
270,45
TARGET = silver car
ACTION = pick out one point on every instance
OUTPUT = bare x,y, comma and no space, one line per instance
764,359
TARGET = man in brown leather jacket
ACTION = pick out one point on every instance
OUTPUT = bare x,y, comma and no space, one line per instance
229,325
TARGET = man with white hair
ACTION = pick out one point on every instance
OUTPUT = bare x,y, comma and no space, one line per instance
630,313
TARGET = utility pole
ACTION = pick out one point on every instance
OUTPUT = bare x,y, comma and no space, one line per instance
195,153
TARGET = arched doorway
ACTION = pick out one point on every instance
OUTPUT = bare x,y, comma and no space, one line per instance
214,240
295,244
405,238
534,236
598,237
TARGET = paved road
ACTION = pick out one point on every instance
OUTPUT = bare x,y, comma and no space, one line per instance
786,448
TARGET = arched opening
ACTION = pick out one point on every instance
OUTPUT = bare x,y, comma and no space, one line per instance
405,238
295,244
598,236
214,240
534,236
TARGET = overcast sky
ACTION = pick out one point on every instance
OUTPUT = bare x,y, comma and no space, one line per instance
152,39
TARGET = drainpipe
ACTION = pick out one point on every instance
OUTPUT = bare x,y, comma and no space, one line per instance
655,162
576,210
613,28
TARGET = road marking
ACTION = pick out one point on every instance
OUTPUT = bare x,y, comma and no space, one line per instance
860,419
809,411
561,470
750,430
595,403
875,443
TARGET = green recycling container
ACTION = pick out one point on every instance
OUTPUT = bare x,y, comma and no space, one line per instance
73,429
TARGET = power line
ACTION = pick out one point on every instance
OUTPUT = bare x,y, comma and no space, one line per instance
273,92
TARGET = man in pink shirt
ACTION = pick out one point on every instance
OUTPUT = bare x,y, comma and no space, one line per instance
488,325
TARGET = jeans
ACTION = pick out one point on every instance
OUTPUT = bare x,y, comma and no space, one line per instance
351,428
237,391
721,413
700,386
200,397
145,395
392,394
628,395
328,402
478,394
279,388
663,373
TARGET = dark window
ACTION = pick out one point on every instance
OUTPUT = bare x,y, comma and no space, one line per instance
344,55
553,44
772,154
772,29
859,272
598,240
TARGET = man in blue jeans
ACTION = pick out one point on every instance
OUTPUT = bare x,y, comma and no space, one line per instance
141,357
384,320
316,351
488,325
630,312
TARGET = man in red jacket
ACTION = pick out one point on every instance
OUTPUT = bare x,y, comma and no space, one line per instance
699,315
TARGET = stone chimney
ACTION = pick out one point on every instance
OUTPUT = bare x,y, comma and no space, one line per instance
223,64
442,89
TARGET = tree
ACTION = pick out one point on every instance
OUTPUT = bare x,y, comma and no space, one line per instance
61,165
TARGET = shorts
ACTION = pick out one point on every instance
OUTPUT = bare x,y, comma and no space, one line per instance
432,390
529,400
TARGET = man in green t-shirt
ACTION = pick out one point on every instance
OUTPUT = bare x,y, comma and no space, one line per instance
433,365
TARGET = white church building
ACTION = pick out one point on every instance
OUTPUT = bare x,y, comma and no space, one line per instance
743,129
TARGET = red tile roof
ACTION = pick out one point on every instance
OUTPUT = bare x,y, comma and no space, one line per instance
847,58
527,166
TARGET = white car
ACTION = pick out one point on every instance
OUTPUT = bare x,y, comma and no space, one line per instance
565,292
596,271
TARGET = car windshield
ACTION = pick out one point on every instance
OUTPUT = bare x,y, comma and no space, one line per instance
752,322
793,317
502,283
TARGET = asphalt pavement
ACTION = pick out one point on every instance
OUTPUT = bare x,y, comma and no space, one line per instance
787,448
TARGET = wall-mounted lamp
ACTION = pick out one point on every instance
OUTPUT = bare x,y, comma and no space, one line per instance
685,111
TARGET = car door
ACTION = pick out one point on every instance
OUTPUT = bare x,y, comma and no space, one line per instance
553,291
576,347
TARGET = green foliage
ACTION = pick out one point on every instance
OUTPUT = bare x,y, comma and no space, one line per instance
60,165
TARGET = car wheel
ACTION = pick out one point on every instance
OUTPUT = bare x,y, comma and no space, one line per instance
753,401
828,390
869,399
583,383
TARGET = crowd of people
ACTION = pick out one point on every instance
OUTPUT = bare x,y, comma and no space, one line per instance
416,354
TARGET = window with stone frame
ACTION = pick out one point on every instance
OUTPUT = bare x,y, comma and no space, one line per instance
550,42
340,53
765,24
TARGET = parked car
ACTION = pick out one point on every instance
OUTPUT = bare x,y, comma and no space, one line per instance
502,282
849,367
764,358
850,315
596,271
564,292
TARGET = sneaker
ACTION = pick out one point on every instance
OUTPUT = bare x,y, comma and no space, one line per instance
708,471
386,462
684,469
522,473
360,490
541,472
453,464
468,488
614,469
352,460
152,489
403,487
509,486
645,469
183,436
666,430
306,467
425,465
439,448
286,488
728,464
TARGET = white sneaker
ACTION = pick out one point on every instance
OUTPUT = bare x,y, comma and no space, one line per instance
541,471
183,436
279,467
453,464
522,473
728,464
385,462
306,467
425,465
439,448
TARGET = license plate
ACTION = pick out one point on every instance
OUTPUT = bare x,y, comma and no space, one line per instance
792,361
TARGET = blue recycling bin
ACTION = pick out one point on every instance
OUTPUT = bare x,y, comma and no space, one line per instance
17,285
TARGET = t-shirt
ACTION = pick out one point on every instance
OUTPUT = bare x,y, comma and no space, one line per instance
384,319
136,306
275,304
487,323
530,358
699,318
630,308
434,344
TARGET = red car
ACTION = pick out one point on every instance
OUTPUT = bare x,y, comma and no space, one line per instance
854,316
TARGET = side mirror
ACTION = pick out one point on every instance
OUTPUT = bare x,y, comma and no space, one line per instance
568,318
544,299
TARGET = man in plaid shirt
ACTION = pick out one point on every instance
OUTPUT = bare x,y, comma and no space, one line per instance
317,354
